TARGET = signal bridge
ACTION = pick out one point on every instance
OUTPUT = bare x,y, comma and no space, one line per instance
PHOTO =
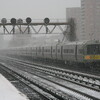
29,24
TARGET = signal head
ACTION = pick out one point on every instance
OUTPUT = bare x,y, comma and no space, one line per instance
46,20
28,20
3,20
19,21
13,21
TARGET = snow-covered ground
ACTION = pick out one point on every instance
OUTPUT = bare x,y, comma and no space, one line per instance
8,91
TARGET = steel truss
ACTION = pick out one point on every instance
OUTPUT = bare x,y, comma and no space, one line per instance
49,28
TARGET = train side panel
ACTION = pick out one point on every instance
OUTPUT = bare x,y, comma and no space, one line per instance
69,52
34,52
47,52
39,52
80,53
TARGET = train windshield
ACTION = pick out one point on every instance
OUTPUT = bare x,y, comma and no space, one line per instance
93,49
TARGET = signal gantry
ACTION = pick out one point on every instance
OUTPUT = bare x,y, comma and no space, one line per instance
29,24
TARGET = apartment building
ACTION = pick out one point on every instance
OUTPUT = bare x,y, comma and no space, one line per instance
90,21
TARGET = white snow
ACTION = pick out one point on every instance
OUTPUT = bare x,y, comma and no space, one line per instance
8,91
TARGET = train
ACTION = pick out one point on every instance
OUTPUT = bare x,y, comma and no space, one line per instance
77,52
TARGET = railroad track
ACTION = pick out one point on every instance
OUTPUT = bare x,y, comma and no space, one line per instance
27,87
47,88
89,69
87,80
70,76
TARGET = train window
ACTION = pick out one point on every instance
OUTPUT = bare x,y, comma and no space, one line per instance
68,51
42,49
39,49
58,50
81,51
45,50
65,50
93,49
53,50
71,51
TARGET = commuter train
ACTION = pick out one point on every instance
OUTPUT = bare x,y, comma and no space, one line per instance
78,51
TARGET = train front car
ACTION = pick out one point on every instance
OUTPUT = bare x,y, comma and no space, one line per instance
92,52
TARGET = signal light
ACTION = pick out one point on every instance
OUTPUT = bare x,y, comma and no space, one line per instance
28,20
19,21
46,20
3,20
13,21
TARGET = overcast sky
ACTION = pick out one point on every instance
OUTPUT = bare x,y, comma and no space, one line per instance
36,9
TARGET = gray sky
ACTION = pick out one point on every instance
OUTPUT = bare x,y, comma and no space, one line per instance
36,9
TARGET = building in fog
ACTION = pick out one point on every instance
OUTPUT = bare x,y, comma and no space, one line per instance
90,12
75,13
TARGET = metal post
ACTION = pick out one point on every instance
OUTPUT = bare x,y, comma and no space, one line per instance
28,29
46,29
4,28
13,29
20,29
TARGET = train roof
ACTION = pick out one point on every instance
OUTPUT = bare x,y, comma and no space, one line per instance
74,43
84,42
